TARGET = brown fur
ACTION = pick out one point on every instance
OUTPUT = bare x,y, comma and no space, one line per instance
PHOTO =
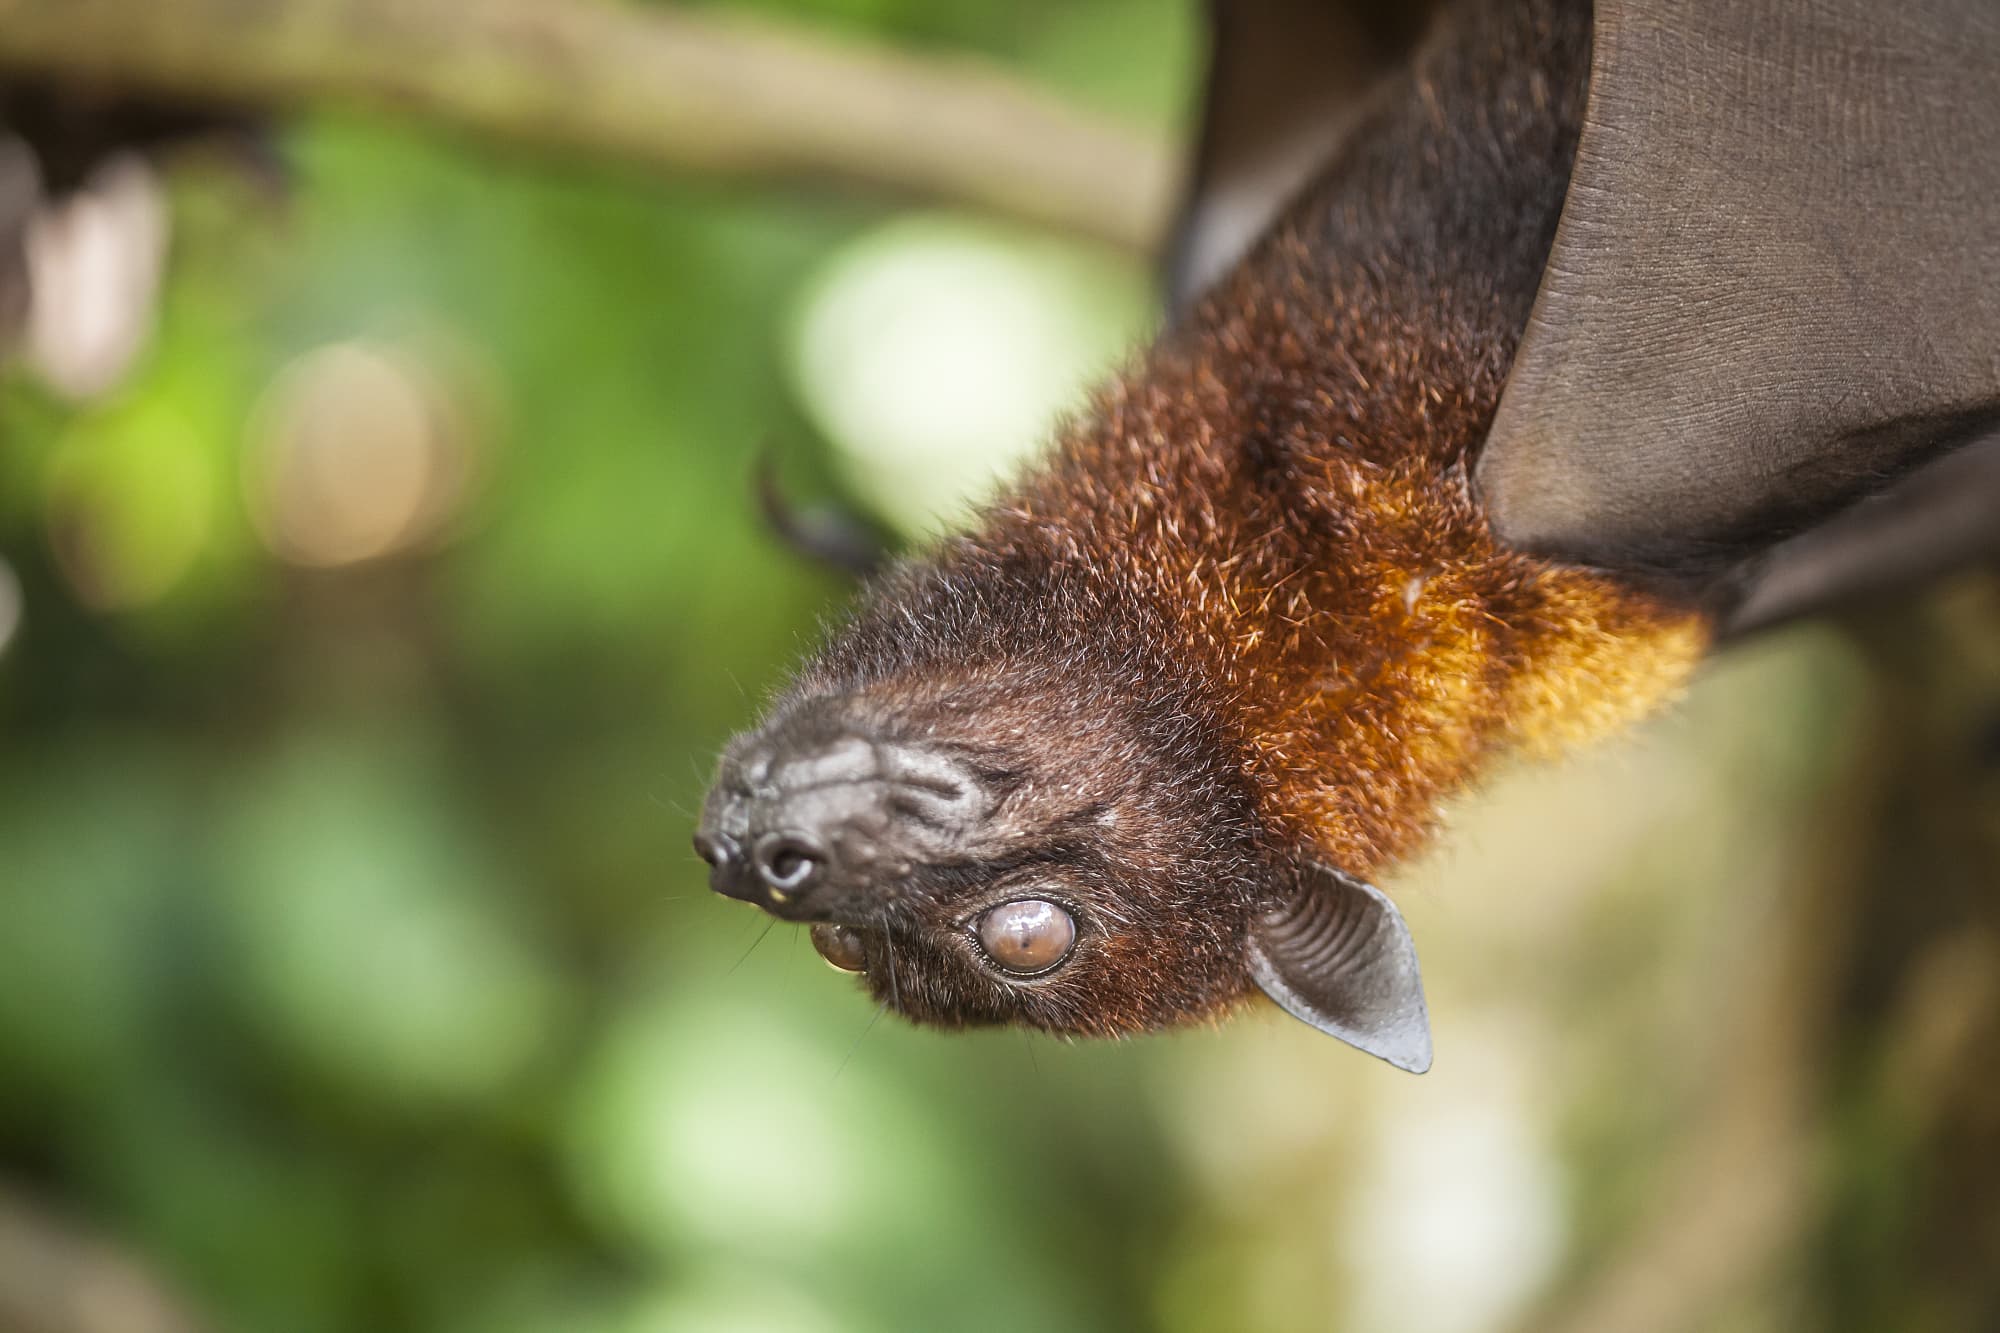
1250,612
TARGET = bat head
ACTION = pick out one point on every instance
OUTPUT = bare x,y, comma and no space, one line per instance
1049,834
993,847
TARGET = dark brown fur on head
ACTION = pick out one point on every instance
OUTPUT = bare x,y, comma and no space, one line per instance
1248,622
1115,790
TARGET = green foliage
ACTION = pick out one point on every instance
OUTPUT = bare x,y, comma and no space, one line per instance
354,967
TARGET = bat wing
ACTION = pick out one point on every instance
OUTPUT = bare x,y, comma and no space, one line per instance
1764,361
1286,77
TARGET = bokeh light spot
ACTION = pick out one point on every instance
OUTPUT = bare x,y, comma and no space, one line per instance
130,508
937,353
367,931
1458,1215
356,452
94,266
734,1133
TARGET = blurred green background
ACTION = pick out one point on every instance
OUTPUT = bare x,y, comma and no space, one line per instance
363,652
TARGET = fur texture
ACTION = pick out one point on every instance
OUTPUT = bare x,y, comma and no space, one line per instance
1249,614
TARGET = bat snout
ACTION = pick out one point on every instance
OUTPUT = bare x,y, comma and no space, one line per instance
819,854
825,829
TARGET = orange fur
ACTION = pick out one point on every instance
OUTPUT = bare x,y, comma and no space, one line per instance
1249,615
1377,645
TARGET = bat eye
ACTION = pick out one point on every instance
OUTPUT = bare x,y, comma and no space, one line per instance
1028,936
840,946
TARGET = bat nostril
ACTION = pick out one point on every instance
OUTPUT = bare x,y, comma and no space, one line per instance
709,849
787,862
726,871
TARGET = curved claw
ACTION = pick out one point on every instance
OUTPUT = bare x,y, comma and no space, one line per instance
822,534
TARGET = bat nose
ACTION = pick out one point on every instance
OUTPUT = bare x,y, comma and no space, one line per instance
776,871
725,864
788,863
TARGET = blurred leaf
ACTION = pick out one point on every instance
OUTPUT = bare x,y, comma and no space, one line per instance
94,851
369,935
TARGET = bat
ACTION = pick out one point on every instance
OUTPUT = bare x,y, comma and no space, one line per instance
1582,343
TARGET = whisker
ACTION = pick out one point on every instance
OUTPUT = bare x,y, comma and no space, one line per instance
671,805
855,1045
889,948
753,947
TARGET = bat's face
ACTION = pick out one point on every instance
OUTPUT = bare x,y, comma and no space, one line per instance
1000,798
1000,847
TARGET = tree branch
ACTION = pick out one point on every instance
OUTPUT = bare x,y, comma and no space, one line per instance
654,86
55,1278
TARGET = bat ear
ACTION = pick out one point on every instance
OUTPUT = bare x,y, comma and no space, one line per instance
1340,958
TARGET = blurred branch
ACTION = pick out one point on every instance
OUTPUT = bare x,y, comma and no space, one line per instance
655,86
1740,1190
56,1280
1889,950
